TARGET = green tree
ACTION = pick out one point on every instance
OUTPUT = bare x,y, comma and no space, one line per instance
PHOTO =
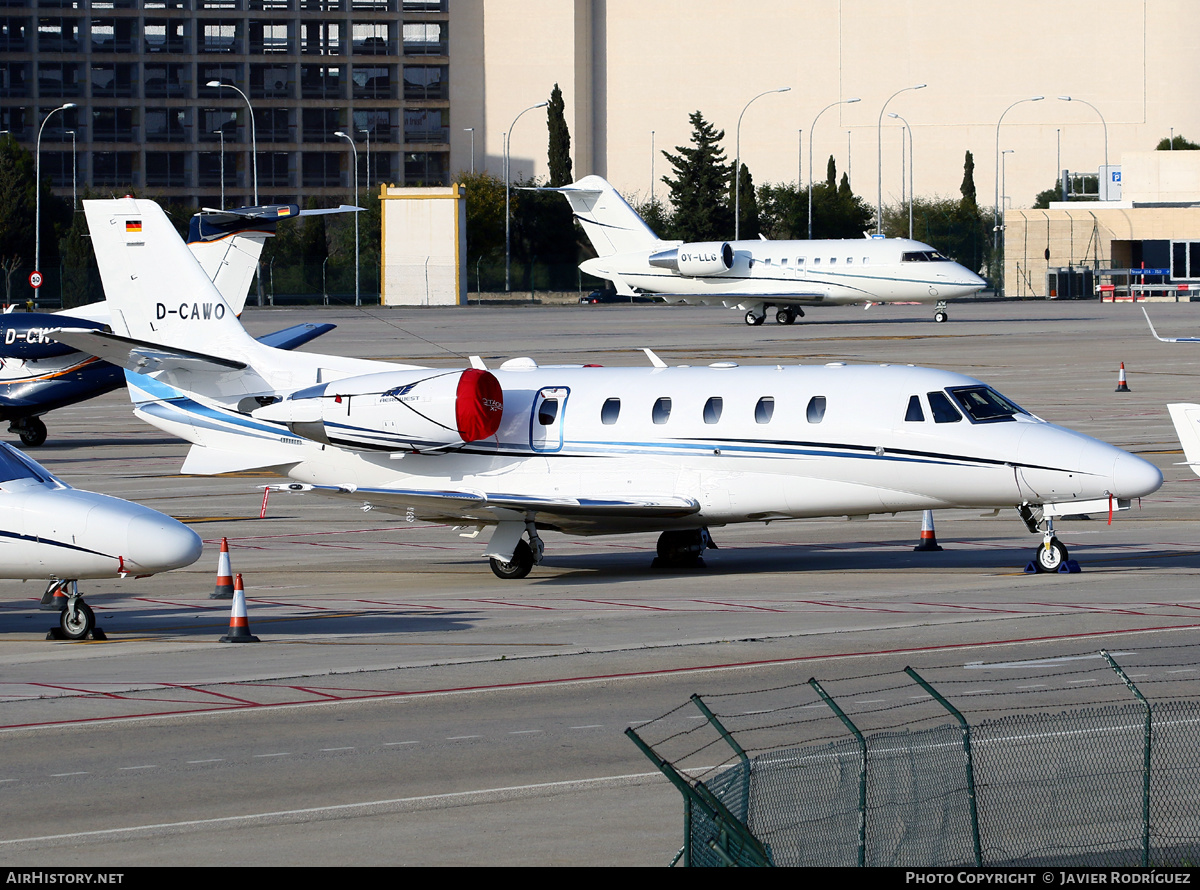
313,248
968,184
559,153
1176,144
747,203
81,276
700,186
485,214
783,211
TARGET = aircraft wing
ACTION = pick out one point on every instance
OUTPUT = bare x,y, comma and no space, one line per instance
489,506
141,356
1167,339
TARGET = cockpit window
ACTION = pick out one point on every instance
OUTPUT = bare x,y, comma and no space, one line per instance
923,256
943,409
984,405
14,465
914,414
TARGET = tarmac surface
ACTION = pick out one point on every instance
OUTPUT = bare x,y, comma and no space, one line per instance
407,707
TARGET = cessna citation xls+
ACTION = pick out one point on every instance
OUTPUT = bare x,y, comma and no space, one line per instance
755,276
577,449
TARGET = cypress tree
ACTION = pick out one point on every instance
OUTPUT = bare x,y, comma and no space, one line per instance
559,154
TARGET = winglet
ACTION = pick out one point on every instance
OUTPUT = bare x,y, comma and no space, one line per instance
654,359
1149,322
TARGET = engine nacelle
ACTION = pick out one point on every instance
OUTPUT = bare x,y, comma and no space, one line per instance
24,335
696,260
417,410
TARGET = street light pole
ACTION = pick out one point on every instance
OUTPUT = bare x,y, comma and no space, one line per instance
74,196
354,192
911,160
221,133
737,166
879,128
1105,124
996,209
507,227
253,131
810,156
471,130
368,135
37,189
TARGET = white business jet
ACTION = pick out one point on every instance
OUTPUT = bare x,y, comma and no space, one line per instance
756,276
50,530
578,449
1184,415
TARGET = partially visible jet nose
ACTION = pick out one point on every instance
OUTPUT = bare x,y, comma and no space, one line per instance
1134,477
158,543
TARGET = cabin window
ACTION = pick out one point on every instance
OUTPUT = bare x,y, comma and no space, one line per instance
767,260
914,414
547,412
662,410
816,261
866,260
832,260
849,260
942,408
816,409
712,409
799,261
984,405
610,411
764,410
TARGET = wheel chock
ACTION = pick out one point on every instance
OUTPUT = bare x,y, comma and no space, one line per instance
1030,568
1069,567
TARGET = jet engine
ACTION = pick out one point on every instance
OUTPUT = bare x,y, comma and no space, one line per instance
417,410
25,335
696,260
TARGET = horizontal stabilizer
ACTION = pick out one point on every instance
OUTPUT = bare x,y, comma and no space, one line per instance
296,335
202,461
140,356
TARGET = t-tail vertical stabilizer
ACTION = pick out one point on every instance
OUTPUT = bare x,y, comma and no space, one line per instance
609,222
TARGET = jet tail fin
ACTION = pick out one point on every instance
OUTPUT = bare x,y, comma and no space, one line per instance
607,219
1187,426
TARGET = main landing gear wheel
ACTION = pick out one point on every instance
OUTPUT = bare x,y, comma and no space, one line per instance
31,430
1049,556
77,620
518,567
682,549
940,316
755,320
785,316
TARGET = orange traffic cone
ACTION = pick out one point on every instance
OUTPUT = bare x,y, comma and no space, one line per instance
239,625
928,536
224,588
1122,386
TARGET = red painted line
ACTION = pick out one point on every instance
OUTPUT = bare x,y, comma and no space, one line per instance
513,605
990,609
625,675
311,691
355,531
1101,609
855,608
244,701
398,605
627,605
205,606
266,602
737,606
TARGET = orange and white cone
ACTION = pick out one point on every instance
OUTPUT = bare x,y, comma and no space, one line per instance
1122,386
928,536
224,588
239,624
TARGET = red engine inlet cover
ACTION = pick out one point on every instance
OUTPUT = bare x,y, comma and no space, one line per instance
479,405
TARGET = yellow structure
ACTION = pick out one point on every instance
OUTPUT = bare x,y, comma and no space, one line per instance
424,246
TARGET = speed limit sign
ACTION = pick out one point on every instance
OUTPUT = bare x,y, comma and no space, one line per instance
35,279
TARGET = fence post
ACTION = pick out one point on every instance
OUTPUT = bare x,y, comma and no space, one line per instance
1145,757
699,795
966,729
737,749
862,775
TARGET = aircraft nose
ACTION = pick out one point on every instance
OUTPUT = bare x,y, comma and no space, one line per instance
1134,477
158,543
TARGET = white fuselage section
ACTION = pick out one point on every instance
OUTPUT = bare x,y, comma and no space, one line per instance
744,443
50,530
805,273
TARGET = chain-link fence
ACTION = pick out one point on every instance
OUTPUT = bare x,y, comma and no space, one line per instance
1078,760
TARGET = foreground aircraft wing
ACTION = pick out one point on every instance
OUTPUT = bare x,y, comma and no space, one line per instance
1167,339
1186,418
484,506
141,356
